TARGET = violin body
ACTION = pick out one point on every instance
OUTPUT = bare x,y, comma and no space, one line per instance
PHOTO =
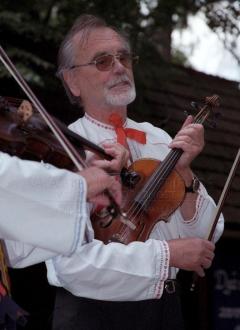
158,193
143,205
30,138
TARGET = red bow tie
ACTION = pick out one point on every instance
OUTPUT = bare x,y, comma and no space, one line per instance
123,133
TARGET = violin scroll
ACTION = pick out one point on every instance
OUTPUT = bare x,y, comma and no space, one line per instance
212,101
206,113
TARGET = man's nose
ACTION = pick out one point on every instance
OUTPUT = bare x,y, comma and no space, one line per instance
118,66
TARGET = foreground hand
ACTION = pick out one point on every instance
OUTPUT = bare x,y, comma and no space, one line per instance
120,158
194,254
97,182
191,140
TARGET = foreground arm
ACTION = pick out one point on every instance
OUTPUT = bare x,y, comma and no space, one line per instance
41,206
44,209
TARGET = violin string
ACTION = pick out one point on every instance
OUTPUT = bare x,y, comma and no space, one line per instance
136,209
136,213
155,179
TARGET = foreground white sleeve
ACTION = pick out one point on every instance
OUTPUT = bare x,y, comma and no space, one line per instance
115,271
41,206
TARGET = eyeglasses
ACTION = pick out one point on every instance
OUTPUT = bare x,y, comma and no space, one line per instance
106,62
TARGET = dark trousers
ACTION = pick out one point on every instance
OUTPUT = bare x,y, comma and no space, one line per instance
75,313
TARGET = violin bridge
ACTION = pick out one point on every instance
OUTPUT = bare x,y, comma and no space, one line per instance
126,221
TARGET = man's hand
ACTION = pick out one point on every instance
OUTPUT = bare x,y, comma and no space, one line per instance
191,140
194,254
97,182
120,158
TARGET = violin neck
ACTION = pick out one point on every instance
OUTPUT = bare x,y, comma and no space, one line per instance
169,162
164,169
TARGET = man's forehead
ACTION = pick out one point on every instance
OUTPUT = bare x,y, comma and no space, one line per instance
98,39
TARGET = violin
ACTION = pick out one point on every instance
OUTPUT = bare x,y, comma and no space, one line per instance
158,193
23,133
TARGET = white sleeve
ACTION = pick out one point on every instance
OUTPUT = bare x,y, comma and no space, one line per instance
41,206
115,271
200,224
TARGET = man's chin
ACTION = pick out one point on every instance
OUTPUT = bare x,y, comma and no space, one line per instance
119,100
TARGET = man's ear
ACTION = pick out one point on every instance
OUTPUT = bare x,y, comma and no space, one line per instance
70,80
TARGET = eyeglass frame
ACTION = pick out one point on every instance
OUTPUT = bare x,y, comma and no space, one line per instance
114,57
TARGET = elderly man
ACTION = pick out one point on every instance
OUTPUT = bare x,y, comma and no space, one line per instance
127,286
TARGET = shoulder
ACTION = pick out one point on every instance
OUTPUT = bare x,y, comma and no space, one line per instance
75,125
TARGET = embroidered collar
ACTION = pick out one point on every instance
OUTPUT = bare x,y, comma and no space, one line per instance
100,124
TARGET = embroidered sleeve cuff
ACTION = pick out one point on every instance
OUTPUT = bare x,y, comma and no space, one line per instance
81,215
162,269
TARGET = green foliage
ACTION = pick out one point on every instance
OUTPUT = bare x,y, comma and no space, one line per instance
31,31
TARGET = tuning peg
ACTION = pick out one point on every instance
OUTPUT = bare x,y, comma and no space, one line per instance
195,106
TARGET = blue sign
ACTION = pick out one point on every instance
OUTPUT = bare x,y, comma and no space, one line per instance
226,291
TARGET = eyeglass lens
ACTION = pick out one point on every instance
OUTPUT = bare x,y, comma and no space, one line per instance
105,62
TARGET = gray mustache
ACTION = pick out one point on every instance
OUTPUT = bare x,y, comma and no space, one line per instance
118,81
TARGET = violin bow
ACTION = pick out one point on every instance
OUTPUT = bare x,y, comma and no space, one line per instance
218,209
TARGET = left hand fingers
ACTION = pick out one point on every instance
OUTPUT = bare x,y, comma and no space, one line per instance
191,140
206,263
192,130
187,144
187,121
102,163
192,134
115,149
119,153
114,190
